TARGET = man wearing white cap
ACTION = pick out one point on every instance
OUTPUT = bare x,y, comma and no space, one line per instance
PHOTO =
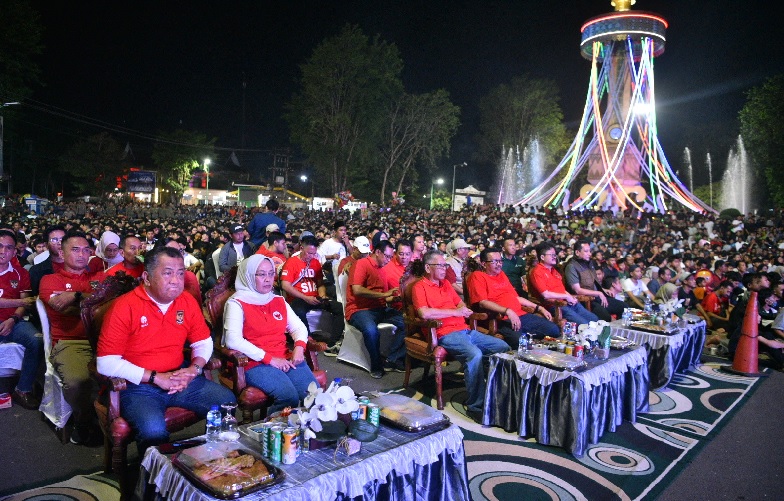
270,228
456,260
361,248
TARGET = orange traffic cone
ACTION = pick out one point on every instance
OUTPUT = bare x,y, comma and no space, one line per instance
746,361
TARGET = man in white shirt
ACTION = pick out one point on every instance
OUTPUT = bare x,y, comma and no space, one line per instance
635,288
337,247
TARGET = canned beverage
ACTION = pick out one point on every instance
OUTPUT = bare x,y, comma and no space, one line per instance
275,442
561,347
289,445
374,413
362,411
568,349
578,351
264,433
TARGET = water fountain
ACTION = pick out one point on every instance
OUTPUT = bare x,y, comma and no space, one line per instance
518,172
710,176
737,180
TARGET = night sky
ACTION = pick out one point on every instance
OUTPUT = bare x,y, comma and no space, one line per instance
139,67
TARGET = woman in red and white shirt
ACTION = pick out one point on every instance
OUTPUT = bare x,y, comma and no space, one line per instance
255,322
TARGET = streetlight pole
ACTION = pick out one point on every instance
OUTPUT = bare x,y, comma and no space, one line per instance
454,167
438,181
2,172
207,175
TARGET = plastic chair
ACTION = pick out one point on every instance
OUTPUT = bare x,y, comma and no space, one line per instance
53,405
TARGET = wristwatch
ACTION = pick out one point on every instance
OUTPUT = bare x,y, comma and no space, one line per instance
152,377
199,369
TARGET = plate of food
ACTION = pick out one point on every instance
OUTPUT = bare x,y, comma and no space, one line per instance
408,413
655,329
553,359
226,470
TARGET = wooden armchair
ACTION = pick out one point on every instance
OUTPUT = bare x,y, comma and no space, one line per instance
233,362
422,342
116,430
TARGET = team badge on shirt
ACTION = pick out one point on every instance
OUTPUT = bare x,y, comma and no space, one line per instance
180,316
277,315
14,283
144,321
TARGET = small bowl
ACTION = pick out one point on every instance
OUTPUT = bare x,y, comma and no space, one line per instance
363,430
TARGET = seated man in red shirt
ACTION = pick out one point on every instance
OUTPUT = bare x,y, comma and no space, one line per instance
547,284
435,299
142,340
275,248
491,290
130,247
61,293
715,306
360,249
396,267
303,282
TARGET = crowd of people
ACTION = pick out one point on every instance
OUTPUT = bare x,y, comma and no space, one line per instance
527,266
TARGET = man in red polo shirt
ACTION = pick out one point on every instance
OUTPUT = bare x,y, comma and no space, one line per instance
275,248
435,299
15,300
547,284
491,290
367,305
395,268
61,293
360,249
303,282
142,341
716,304
130,247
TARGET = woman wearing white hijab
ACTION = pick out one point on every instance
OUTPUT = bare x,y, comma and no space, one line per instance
255,323
107,252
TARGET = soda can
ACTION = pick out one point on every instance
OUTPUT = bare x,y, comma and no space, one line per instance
264,434
289,445
374,413
568,349
275,442
362,411
578,351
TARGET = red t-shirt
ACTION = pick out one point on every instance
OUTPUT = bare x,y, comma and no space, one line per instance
497,289
64,326
265,327
713,303
392,273
369,275
277,258
543,279
346,261
430,295
305,279
13,282
137,330
131,272
96,264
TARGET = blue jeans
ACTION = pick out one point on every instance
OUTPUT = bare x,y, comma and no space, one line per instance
578,314
468,347
367,322
287,389
27,335
534,325
144,406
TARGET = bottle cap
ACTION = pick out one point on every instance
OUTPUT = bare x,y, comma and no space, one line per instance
215,407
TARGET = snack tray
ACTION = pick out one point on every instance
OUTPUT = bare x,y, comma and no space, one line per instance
553,359
620,342
190,461
409,414
654,329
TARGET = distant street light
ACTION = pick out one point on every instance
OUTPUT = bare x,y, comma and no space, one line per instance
438,181
454,167
3,105
304,179
207,162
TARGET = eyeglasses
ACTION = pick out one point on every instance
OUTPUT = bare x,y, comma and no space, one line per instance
495,261
266,275
550,254
55,240
438,265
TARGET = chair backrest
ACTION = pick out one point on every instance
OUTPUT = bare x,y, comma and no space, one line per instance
214,261
94,307
407,284
340,290
217,297
44,318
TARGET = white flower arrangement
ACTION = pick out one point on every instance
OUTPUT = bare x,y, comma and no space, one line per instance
323,407
591,331
672,306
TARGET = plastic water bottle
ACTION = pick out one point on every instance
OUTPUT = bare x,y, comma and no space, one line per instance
522,345
213,424
648,305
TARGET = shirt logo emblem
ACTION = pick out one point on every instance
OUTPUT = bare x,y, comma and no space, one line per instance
277,315
14,283
180,316
144,321
68,286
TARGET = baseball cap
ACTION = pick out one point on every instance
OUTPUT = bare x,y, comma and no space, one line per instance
459,243
362,244
237,228
272,227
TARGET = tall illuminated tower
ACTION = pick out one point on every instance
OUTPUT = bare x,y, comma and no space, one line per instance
617,140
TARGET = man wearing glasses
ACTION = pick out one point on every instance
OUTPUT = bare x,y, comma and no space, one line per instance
367,304
547,284
435,299
491,290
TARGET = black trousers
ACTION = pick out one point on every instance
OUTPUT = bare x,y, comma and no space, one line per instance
301,308
614,307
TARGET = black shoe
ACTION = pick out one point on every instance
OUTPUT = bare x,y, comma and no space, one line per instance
87,435
394,367
475,416
377,374
332,351
26,399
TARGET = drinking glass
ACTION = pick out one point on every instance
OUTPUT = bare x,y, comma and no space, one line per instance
229,432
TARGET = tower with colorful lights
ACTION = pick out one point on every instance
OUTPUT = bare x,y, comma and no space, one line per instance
617,140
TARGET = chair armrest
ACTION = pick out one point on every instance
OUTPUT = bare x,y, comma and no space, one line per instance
583,299
235,357
559,302
316,346
311,354
481,316
421,323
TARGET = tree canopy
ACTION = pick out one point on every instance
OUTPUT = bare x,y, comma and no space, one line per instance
177,154
762,129
20,42
95,163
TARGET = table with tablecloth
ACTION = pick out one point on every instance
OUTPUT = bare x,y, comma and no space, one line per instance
397,465
569,409
668,354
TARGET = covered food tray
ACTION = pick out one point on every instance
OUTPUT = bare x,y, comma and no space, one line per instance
408,414
552,359
226,470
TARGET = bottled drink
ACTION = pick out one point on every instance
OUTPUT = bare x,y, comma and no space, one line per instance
213,424
522,345
648,305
